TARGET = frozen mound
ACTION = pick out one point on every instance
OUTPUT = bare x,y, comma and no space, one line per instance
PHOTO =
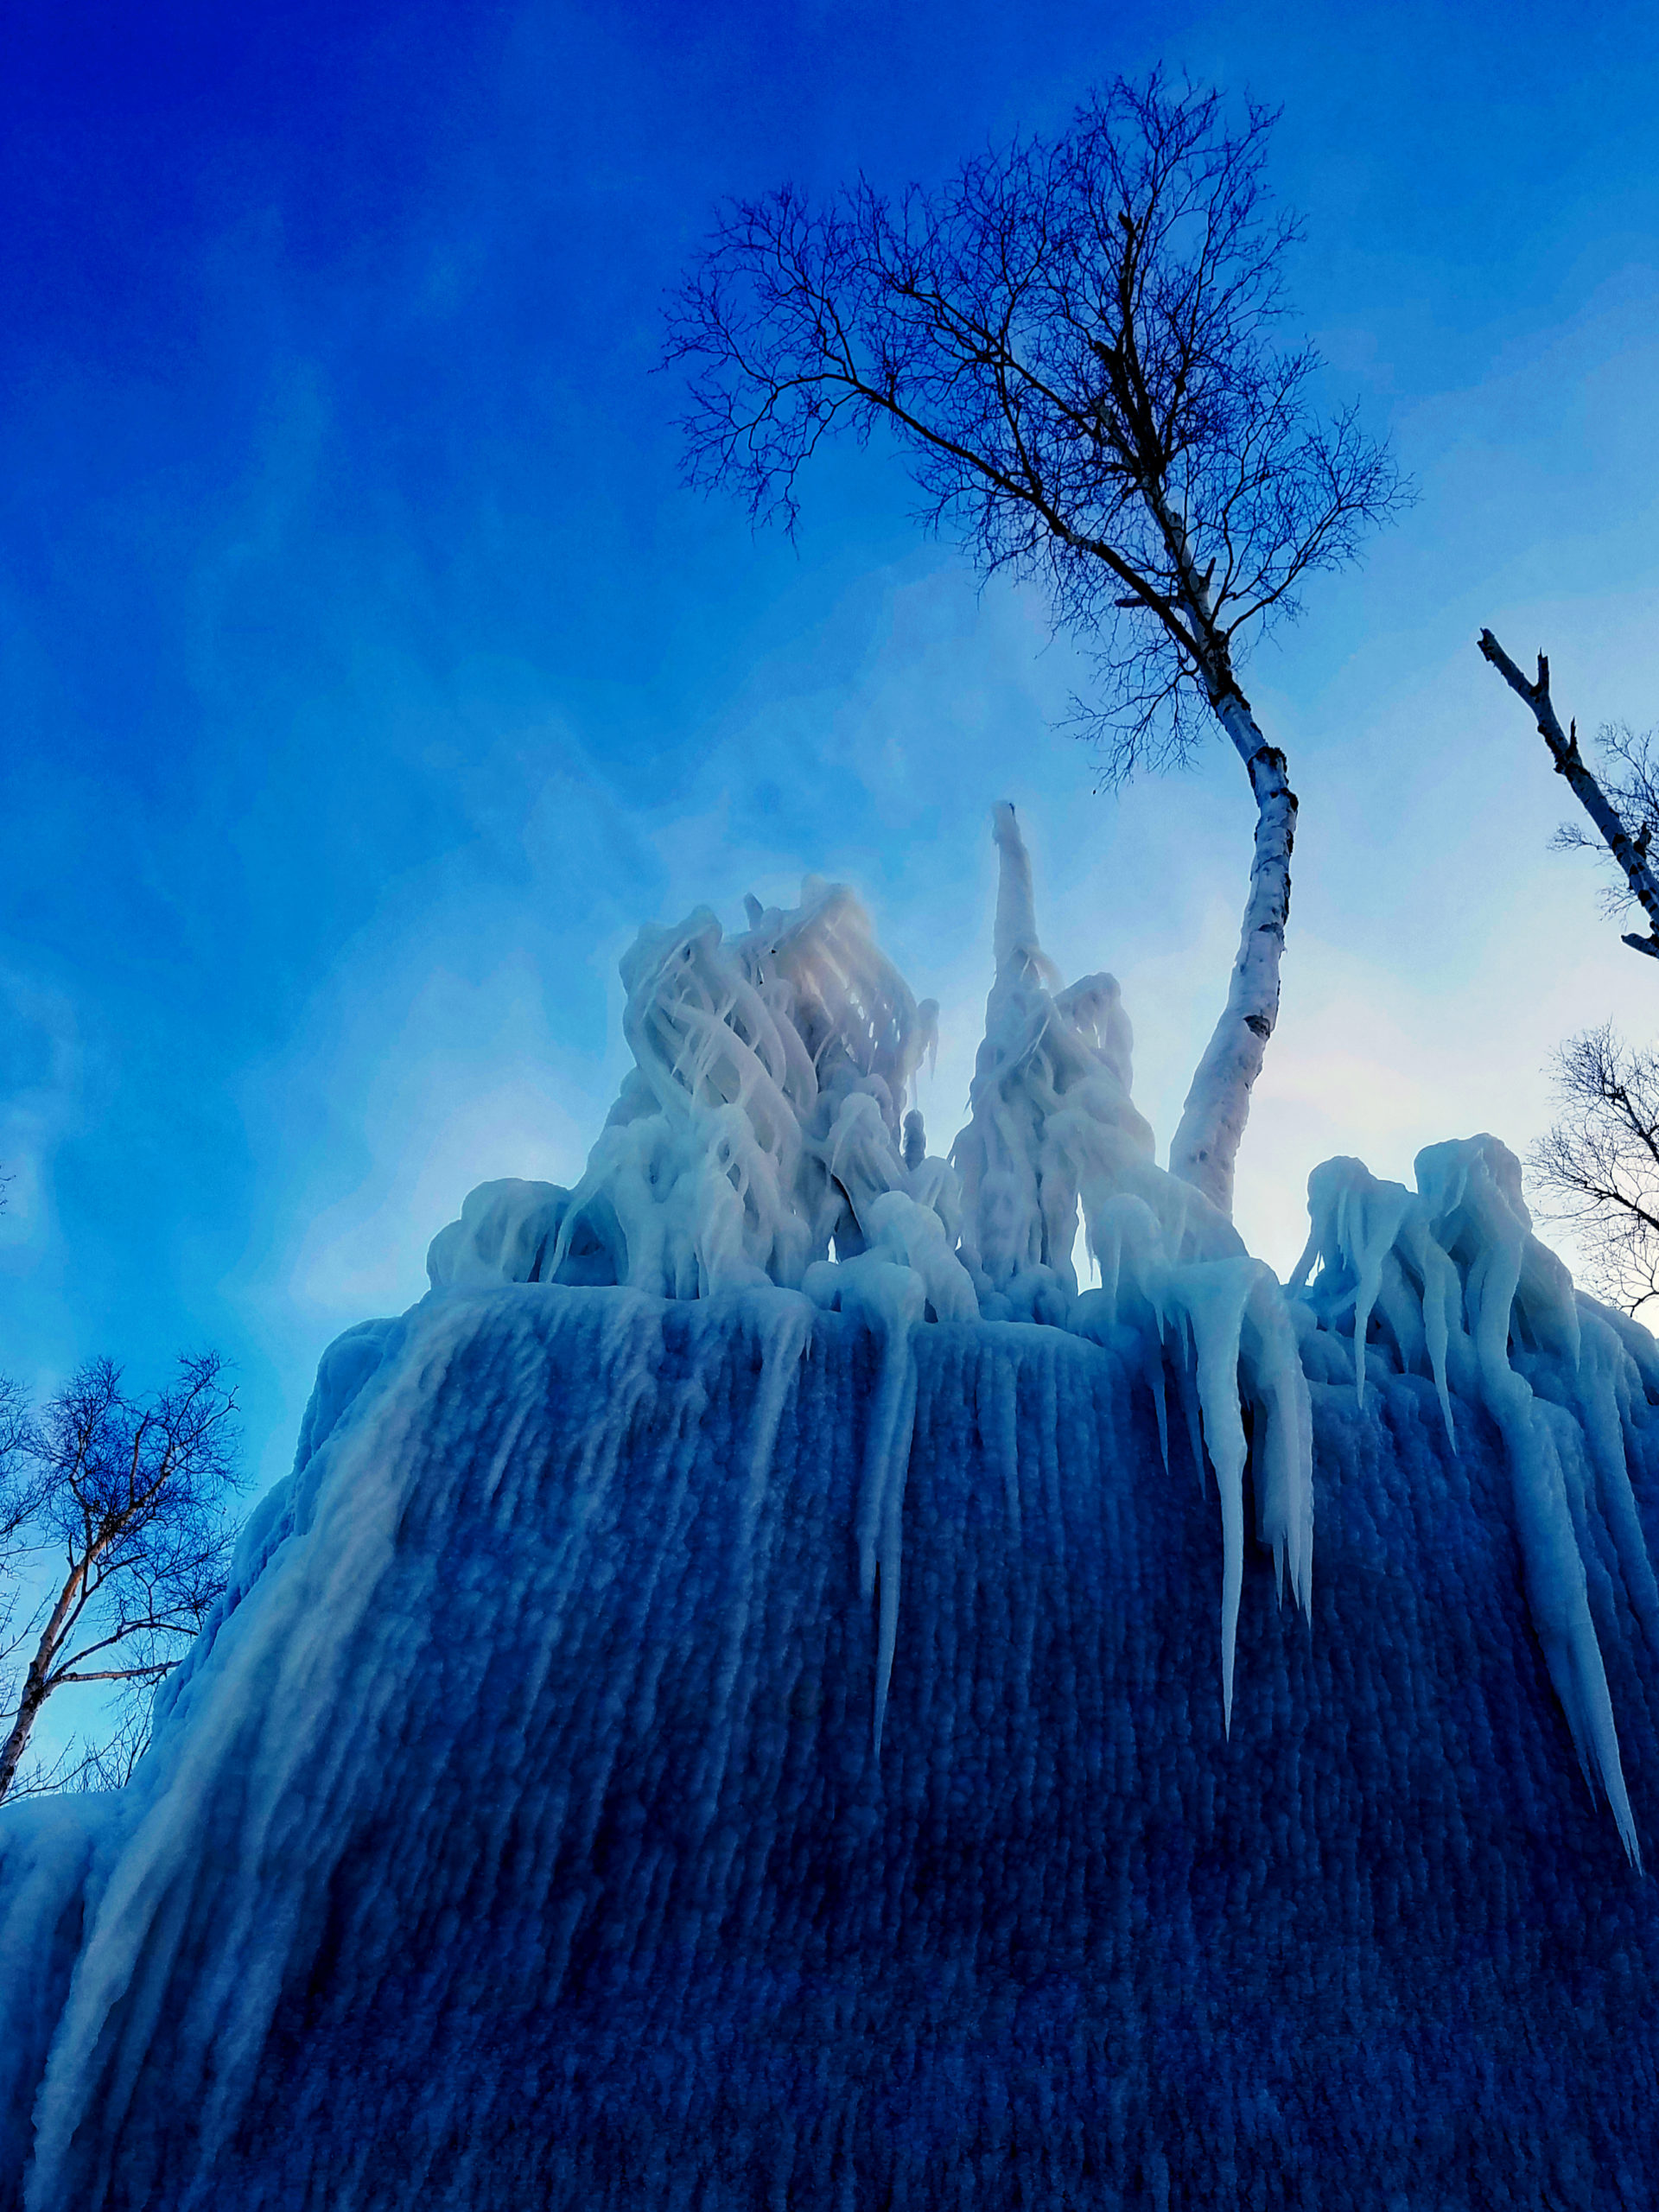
515,1836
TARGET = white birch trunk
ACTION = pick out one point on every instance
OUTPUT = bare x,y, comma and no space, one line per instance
1206,1146
37,1684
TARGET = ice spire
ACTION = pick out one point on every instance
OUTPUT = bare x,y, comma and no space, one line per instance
1014,943
1053,1129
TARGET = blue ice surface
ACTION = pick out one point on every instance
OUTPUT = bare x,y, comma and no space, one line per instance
516,1837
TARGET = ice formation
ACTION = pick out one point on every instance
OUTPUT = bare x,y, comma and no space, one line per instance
515,1832
1052,1124
1457,1287
514,1835
763,1116
1052,1130
764,1135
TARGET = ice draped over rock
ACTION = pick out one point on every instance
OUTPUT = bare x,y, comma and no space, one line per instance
514,1835
763,1136
1450,1282
563,1808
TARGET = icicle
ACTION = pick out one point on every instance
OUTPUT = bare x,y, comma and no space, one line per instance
1213,1298
1473,1190
1235,1311
1283,1443
1442,1300
1159,1397
1185,1358
889,1299
1603,1379
1559,1597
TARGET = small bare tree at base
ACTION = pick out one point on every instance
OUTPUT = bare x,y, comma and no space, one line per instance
1072,344
132,1495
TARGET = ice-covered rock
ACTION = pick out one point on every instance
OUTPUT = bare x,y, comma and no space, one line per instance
515,1834
763,1135
562,1809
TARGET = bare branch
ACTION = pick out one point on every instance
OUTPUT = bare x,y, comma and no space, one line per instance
1073,344
107,1764
1624,820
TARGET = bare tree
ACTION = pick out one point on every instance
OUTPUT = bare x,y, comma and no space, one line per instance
1623,802
132,1495
1598,1166
1073,344
106,1763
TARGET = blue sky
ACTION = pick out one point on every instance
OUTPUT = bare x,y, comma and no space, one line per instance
368,676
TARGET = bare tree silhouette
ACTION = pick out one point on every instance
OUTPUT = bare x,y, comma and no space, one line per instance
1074,345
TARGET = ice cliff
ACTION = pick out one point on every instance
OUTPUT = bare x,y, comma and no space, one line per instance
760,1691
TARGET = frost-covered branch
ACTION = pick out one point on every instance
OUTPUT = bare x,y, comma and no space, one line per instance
1074,345
1625,812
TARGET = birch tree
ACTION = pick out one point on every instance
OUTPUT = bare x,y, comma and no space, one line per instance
1076,346
119,1506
